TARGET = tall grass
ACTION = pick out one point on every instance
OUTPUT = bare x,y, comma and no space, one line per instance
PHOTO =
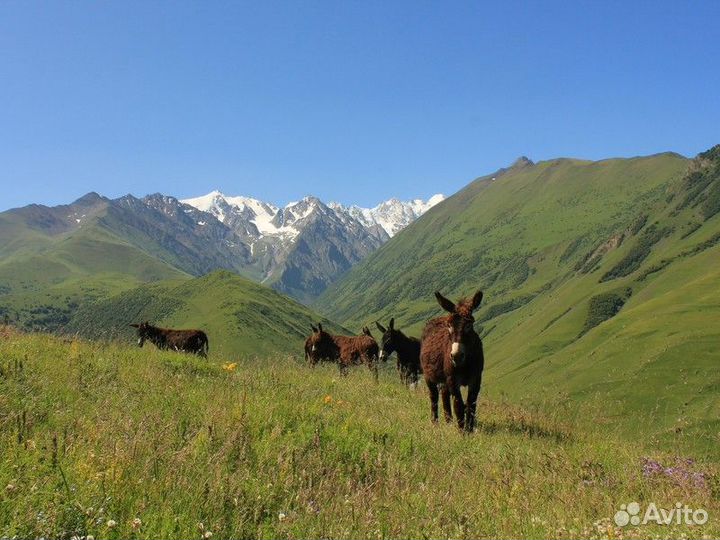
118,442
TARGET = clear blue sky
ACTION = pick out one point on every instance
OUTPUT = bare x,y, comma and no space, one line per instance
350,101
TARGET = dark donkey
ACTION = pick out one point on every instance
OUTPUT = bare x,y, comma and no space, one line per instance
191,341
345,350
313,353
407,349
451,356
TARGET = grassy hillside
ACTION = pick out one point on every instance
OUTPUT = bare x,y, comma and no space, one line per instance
600,284
42,283
497,232
113,442
240,316
55,258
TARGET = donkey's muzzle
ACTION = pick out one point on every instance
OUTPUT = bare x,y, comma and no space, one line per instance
457,353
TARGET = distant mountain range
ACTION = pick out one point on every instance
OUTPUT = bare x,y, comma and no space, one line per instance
298,249
303,247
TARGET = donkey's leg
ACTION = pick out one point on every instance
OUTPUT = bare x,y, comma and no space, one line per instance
373,366
459,406
473,391
445,392
432,387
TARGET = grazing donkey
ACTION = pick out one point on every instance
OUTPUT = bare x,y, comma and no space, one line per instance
191,341
345,350
451,355
407,349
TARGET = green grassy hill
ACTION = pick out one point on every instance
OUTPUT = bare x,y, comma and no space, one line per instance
114,442
240,317
600,284
44,281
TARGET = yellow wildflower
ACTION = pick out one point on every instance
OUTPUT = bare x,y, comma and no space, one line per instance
328,399
228,366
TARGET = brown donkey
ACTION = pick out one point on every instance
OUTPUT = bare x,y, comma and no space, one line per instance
407,349
191,341
345,350
451,355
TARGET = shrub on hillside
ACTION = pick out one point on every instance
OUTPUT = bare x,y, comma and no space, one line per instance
638,253
711,206
571,249
603,307
638,224
498,309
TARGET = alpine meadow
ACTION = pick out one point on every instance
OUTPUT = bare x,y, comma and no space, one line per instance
252,286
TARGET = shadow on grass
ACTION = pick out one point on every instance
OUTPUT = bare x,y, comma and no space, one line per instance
523,427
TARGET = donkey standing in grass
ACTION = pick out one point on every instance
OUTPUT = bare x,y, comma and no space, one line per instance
345,350
451,355
407,349
191,341
315,351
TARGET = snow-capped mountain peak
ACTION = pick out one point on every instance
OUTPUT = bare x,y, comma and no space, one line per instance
392,215
269,220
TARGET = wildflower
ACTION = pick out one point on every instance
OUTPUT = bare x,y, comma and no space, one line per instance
327,399
207,534
10,488
281,516
89,537
136,523
229,366
111,523
680,474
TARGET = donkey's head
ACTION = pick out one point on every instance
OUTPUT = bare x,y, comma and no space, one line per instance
460,324
321,344
143,330
389,341
366,331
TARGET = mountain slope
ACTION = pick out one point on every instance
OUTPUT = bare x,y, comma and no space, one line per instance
240,316
51,261
303,247
54,258
600,287
492,233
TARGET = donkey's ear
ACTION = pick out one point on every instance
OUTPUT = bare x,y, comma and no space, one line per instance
320,327
392,324
314,328
477,298
134,325
446,304
380,327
